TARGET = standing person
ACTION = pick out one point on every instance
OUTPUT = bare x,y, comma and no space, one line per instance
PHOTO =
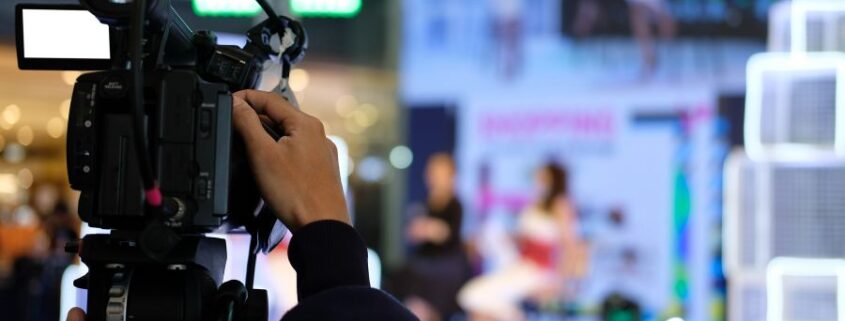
548,245
645,13
438,265
61,227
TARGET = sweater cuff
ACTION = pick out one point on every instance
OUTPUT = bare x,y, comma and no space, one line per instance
326,255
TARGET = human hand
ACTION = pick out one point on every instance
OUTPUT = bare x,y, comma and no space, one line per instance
76,314
416,231
424,229
438,231
298,175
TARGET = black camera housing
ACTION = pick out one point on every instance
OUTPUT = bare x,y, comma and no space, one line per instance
188,80
190,137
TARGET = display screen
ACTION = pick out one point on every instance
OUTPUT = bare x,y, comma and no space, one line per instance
64,34
60,37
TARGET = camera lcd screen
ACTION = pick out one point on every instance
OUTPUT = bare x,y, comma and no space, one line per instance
61,37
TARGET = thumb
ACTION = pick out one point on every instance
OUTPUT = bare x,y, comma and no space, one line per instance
76,314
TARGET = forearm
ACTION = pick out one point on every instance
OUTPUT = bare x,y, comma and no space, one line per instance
326,255
332,280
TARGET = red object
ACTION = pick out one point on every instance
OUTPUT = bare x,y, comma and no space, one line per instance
541,253
153,196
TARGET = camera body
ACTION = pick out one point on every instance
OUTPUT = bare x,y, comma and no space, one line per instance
187,120
190,136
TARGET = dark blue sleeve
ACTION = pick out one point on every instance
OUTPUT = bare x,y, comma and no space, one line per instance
330,260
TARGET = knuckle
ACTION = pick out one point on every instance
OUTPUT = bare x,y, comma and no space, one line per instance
263,152
332,147
242,93
313,123
311,119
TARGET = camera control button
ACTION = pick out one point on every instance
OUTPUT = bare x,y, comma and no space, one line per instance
202,188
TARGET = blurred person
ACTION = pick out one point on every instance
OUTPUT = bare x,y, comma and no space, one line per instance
299,177
18,238
59,220
45,197
41,232
21,235
644,14
438,265
60,227
27,289
548,248
508,31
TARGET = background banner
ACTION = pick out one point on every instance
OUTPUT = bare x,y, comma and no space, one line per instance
642,168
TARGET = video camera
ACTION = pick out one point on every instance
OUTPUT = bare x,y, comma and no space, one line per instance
151,147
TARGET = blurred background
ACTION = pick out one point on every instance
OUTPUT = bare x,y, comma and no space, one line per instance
615,160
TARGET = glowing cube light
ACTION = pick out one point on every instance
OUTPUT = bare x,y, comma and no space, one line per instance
326,8
794,105
226,8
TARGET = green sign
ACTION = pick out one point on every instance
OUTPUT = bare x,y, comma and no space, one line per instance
326,8
226,8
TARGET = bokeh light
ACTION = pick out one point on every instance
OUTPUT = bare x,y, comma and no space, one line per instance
401,157
25,135
371,169
12,114
56,127
25,178
64,109
14,153
345,105
299,79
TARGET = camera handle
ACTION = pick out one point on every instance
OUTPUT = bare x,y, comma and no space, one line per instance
241,302
250,263
235,302
293,42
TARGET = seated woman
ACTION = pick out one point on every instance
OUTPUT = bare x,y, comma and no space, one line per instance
546,234
437,266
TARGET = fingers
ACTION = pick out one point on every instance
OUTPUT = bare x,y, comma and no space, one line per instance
266,120
76,314
248,124
272,105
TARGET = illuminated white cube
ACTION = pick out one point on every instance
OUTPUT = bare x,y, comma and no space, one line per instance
792,107
817,25
801,289
777,208
740,214
780,27
747,296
